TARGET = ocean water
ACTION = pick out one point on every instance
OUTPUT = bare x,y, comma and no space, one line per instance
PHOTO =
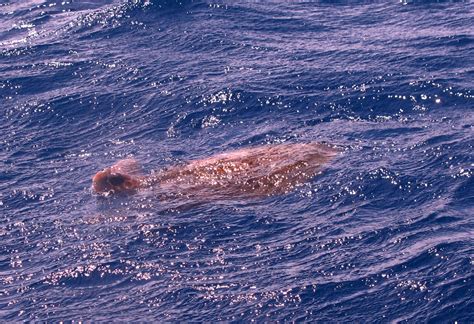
384,234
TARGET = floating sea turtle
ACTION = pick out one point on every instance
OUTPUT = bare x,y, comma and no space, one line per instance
256,171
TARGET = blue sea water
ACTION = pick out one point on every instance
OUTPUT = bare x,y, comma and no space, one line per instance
384,234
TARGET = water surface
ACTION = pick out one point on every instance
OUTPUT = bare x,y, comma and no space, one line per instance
385,233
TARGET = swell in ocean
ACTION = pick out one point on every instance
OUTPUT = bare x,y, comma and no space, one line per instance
384,233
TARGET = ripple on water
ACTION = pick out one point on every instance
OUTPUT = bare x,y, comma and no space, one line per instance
382,234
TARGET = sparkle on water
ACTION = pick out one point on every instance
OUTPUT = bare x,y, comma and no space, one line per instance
384,233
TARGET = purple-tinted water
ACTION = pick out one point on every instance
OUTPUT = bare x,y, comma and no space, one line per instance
385,233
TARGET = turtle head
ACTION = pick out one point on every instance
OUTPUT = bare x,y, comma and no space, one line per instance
109,181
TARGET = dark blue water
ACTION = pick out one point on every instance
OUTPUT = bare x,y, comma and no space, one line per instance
385,233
